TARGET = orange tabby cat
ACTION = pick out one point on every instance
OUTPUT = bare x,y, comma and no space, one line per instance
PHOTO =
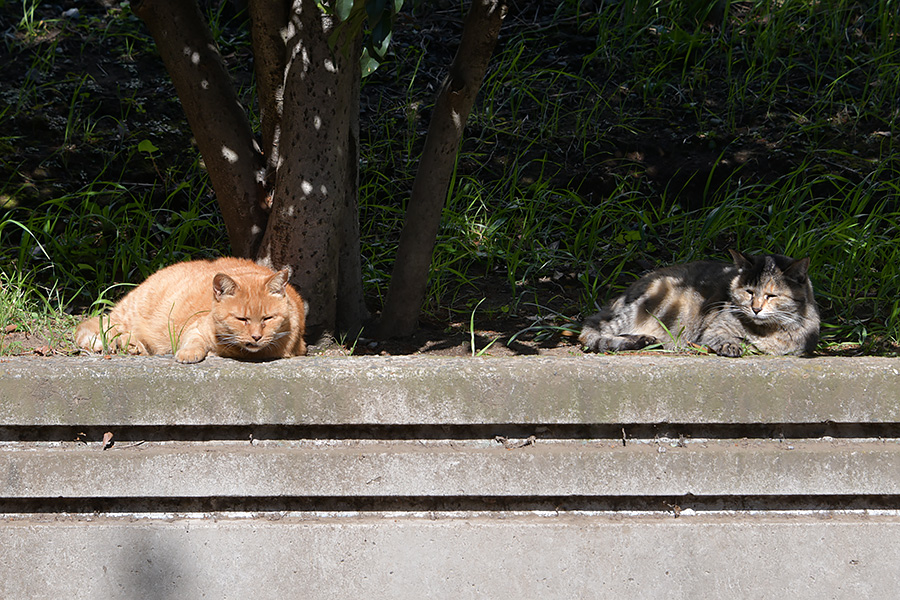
231,307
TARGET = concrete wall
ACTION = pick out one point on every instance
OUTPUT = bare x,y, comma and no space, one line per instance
584,477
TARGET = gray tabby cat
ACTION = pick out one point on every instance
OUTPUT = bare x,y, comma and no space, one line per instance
763,301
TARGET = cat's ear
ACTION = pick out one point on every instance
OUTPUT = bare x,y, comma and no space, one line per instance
277,282
741,261
798,270
223,285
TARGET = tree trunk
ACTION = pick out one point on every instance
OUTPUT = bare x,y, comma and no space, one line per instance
311,226
219,124
268,20
351,306
454,102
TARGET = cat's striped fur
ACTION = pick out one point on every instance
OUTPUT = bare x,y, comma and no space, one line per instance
765,302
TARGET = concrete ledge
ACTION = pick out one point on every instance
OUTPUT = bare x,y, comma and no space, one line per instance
463,391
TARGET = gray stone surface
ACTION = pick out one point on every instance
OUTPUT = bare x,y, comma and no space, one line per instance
341,513
514,557
392,469
449,391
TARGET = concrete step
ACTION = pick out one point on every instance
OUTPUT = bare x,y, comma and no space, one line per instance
579,477
422,470
569,556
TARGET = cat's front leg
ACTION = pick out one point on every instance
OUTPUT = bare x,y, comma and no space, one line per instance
722,341
191,354
724,335
192,348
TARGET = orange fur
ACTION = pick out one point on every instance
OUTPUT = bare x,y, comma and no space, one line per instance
231,307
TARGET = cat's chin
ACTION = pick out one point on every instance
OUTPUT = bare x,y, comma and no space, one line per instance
763,320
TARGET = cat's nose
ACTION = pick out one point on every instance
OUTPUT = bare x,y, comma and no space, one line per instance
256,337
757,309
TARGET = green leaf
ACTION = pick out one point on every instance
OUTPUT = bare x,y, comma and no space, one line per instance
627,237
367,64
381,35
147,147
342,8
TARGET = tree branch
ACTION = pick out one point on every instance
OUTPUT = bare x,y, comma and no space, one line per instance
269,21
423,216
218,122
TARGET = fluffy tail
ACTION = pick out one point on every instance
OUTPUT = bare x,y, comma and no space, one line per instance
591,336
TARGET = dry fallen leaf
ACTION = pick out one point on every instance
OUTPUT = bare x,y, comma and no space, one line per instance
107,440
10,328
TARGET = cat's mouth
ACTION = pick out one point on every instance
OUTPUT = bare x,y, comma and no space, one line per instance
763,319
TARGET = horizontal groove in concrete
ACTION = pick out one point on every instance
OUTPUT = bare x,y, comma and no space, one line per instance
405,470
448,391
557,557
124,436
351,508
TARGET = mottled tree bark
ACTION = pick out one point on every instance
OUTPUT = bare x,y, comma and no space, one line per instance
316,178
269,21
308,179
351,306
218,122
454,101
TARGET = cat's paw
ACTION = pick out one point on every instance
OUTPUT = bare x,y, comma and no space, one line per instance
634,341
188,355
727,349
87,335
89,342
